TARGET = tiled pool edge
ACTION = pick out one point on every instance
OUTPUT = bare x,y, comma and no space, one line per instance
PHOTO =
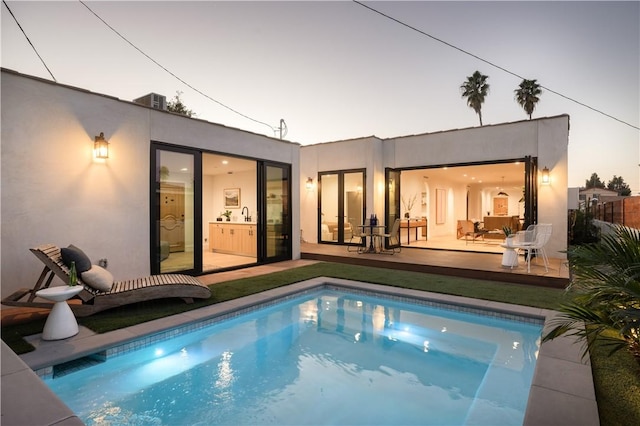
147,334
561,393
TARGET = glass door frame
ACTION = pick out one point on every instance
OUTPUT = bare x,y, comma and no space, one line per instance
392,201
341,240
530,191
154,205
285,232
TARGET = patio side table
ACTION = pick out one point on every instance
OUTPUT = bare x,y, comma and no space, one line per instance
61,322
509,256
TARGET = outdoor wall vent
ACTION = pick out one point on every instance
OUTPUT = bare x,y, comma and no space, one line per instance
153,100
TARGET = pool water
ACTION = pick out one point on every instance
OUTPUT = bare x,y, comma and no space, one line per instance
328,357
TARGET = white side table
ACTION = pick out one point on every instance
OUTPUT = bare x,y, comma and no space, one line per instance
61,322
509,256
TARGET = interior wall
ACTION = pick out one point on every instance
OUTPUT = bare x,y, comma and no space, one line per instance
213,198
329,194
246,182
208,194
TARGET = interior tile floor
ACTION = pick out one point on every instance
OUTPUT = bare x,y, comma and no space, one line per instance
180,261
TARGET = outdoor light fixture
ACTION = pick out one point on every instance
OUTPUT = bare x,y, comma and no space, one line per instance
100,147
309,184
545,176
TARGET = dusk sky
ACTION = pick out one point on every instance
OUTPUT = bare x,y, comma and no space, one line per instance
337,70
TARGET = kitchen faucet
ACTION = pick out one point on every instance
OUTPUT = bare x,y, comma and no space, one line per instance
247,218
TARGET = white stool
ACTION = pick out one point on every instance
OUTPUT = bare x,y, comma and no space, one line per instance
509,256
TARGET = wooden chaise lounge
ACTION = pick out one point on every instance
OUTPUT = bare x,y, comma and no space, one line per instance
91,301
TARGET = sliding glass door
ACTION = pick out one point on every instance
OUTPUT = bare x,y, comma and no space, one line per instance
275,217
175,210
246,217
341,205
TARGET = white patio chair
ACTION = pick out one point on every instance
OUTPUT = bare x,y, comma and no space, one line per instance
534,240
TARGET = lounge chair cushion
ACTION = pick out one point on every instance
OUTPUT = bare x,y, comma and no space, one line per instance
98,278
74,254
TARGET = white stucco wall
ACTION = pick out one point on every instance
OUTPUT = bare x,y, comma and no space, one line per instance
53,191
365,153
553,136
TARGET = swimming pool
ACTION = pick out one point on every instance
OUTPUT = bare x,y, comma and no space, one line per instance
325,357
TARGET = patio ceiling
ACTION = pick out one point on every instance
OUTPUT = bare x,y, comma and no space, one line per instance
503,175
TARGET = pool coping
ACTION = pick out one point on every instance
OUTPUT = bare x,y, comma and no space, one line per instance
562,390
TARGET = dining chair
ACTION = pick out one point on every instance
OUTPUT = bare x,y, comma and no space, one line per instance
391,239
358,235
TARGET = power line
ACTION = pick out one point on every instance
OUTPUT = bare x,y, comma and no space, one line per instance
171,73
490,63
27,37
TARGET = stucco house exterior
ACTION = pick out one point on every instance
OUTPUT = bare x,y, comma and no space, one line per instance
483,174
54,190
169,175
598,194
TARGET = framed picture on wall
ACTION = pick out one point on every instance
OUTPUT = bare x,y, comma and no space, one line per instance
501,206
231,198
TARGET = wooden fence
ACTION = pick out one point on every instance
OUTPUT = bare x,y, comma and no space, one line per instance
625,211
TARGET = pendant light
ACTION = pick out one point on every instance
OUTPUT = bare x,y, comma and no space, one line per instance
502,193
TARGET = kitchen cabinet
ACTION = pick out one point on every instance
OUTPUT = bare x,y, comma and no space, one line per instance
233,238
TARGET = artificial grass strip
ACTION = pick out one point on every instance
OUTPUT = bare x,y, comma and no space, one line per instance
616,379
129,315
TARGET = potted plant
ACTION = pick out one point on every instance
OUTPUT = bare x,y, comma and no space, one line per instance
227,214
408,205
509,235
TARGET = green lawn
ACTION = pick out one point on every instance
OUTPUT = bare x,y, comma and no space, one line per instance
617,379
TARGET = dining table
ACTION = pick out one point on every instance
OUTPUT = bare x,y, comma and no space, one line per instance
372,232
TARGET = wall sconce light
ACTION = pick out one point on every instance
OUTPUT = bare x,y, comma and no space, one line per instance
309,184
545,176
100,147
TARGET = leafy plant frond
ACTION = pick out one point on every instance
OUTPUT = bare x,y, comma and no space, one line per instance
605,291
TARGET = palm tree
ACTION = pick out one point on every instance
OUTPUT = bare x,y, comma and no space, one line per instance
475,89
527,95
606,290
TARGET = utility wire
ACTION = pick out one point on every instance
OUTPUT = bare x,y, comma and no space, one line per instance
171,73
490,63
27,37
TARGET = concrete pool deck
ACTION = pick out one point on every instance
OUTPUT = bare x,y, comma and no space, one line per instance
562,391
